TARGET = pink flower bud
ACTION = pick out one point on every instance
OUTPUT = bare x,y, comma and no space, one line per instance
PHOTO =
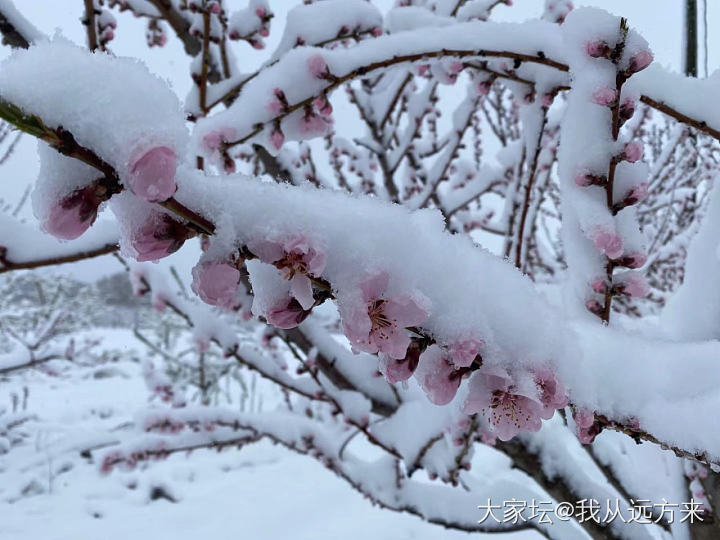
422,69
547,100
377,31
634,286
585,179
605,96
158,237
73,215
633,152
609,243
640,61
593,306
257,44
634,260
637,194
584,418
260,12
287,314
264,32
598,49
456,67
318,67
483,87
277,139
216,283
152,176
215,8
599,285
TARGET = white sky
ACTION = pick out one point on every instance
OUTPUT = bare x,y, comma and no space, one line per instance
659,21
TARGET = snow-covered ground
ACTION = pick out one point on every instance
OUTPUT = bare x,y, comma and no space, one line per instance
259,492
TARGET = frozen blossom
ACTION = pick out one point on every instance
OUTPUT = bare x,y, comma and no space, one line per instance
153,174
298,259
216,283
158,237
376,322
437,376
73,215
510,408
608,242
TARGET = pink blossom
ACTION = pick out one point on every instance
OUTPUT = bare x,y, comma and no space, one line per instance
214,140
599,285
586,428
73,215
483,87
277,139
296,258
637,194
312,124
488,437
585,179
436,376
323,106
640,61
508,408
464,352
216,283
377,323
633,151
456,67
608,242
627,109
287,314
398,370
158,237
598,49
277,103
605,96
584,418
552,392
634,285
593,306
318,67
152,176
634,260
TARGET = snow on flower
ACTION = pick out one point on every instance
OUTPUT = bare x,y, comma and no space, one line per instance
552,392
436,375
464,352
598,49
298,259
216,283
152,175
633,284
510,408
605,96
375,322
608,242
